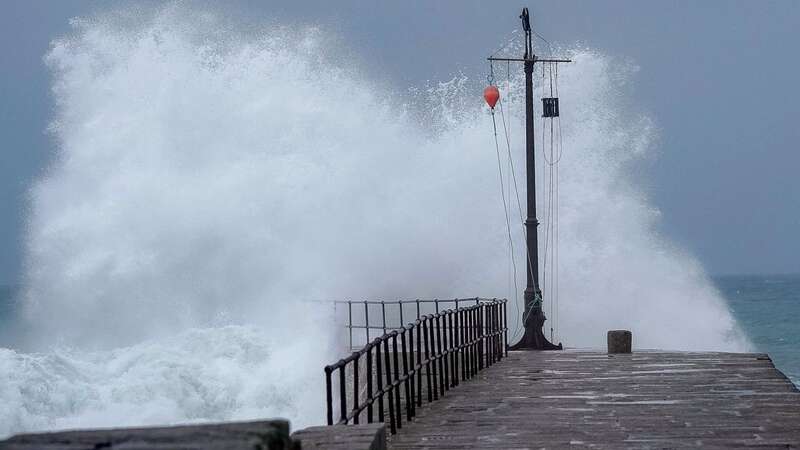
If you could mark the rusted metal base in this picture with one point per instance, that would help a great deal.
(534, 338)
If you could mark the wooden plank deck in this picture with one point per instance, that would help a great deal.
(594, 400)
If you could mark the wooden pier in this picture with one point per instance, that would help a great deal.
(589, 399)
(532, 400)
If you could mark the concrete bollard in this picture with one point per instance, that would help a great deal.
(619, 341)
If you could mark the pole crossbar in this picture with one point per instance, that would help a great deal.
(531, 60)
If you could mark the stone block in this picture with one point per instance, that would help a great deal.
(619, 341)
(343, 437)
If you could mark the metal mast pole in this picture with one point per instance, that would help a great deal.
(534, 338)
(532, 290)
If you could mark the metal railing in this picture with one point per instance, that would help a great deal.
(440, 349)
(366, 319)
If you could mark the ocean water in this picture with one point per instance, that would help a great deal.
(193, 372)
(225, 372)
(768, 309)
(766, 306)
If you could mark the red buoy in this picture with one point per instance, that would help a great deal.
(492, 95)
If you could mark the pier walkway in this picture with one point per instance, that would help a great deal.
(595, 400)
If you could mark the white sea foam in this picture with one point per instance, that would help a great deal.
(200, 374)
(207, 181)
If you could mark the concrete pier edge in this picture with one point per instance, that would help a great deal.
(252, 435)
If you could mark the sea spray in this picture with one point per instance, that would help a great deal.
(220, 373)
(207, 183)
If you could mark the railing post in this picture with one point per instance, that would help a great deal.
(366, 319)
(462, 330)
(400, 305)
(395, 388)
(478, 349)
(473, 347)
(356, 413)
(481, 340)
(485, 338)
(478, 341)
(460, 342)
(467, 344)
(487, 334)
(418, 367)
(342, 394)
(350, 319)
(329, 394)
(369, 385)
(490, 333)
(442, 365)
(496, 325)
(389, 385)
(383, 313)
(427, 358)
(499, 331)
(456, 350)
(505, 327)
(468, 340)
(433, 355)
(496, 332)
(451, 350)
(481, 349)
(409, 384)
(478, 337)
(468, 331)
(379, 378)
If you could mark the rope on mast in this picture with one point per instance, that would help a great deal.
(503, 192)
(534, 337)
(507, 132)
(552, 155)
(558, 200)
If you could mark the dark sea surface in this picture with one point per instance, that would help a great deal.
(8, 311)
(766, 306)
(768, 309)
(7, 304)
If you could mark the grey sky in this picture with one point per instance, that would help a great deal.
(719, 78)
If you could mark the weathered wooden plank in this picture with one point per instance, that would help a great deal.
(639, 400)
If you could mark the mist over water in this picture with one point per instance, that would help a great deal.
(208, 182)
